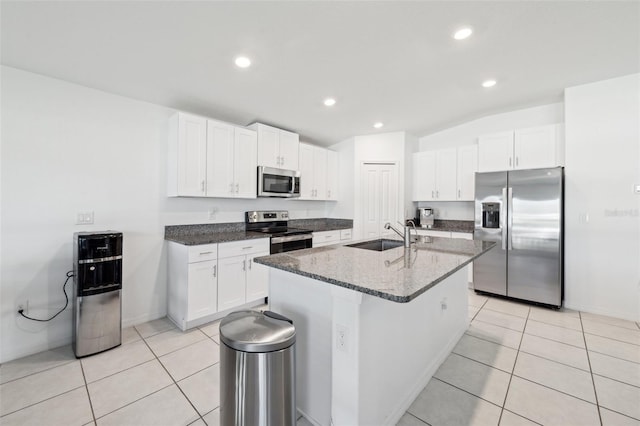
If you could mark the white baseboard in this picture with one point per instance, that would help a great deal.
(629, 316)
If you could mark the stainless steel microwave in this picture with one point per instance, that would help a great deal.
(274, 182)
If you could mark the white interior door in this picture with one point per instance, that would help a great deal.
(379, 185)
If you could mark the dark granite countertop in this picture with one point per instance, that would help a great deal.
(396, 274)
(212, 233)
(451, 226)
(319, 225)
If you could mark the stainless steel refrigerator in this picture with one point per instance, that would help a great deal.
(521, 210)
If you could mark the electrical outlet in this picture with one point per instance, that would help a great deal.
(342, 338)
(84, 218)
(24, 306)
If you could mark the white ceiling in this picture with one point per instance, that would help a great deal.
(393, 61)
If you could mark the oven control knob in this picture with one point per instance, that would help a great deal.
(253, 215)
(285, 215)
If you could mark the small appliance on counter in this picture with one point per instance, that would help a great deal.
(425, 217)
(97, 287)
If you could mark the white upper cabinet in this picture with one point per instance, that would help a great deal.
(435, 175)
(424, 176)
(276, 147)
(208, 158)
(314, 172)
(332, 175)
(495, 152)
(187, 166)
(232, 161)
(538, 147)
(467, 168)
(446, 164)
(530, 148)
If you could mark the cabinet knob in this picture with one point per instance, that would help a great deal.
(202, 186)
(244, 265)
(237, 188)
(215, 271)
(509, 161)
(516, 161)
(250, 264)
(458, 193)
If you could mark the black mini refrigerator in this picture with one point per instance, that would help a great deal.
(97, 288)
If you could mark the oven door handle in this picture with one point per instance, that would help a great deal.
(277, 240)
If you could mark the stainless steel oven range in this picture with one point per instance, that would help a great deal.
(275, 223)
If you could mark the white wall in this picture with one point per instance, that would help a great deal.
(66, 149)
(467, 133)
(602, 213)
(394, 147)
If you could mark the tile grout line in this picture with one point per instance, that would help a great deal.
(465, 391)
(615, 380)
(414, 416)
(37, 372)
(174, 381)
(593, 382)
(607, 337)
(504, 402)
(86, 388)
(40, 402)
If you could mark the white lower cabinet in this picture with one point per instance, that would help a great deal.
(205, 281)
(326, 238)
(241, 280)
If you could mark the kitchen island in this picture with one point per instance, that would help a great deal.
(372, 326)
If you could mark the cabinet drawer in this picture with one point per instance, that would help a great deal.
(203, 252)
(238, 248)
(345, 234)
(325, 238)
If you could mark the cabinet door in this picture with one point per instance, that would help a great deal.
(495, 152)
(332, 175)
(192, 151)
(320, 173)
(220, 142)
(257, 279)
(289, 147)
(245, 164)
(535, 147)
(202, 290)
(424, 176)
(446, 165)
(307, 176)
(467, 168)
(268, 146)
(231, 282)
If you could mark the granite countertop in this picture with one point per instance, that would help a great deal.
(215, 237)
(212, 233)
(451, 226)
(396, 274)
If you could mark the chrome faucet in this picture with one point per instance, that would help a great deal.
(406, 235)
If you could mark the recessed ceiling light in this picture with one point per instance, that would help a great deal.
(243, 61)
(378, 125)
(488, 83)
(329, 102)
(462, 33)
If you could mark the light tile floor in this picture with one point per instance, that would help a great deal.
(516, 365)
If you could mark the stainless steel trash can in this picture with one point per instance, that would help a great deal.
(257, 370)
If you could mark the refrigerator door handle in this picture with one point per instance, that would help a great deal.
(503, 225)
(510, 219)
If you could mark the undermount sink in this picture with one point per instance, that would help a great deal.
(378, 245)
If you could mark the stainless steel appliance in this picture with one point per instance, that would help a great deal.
(97, 287)
(522, 211)
(274, 182)
(257, 369)
(275, 223)
(425, 217)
